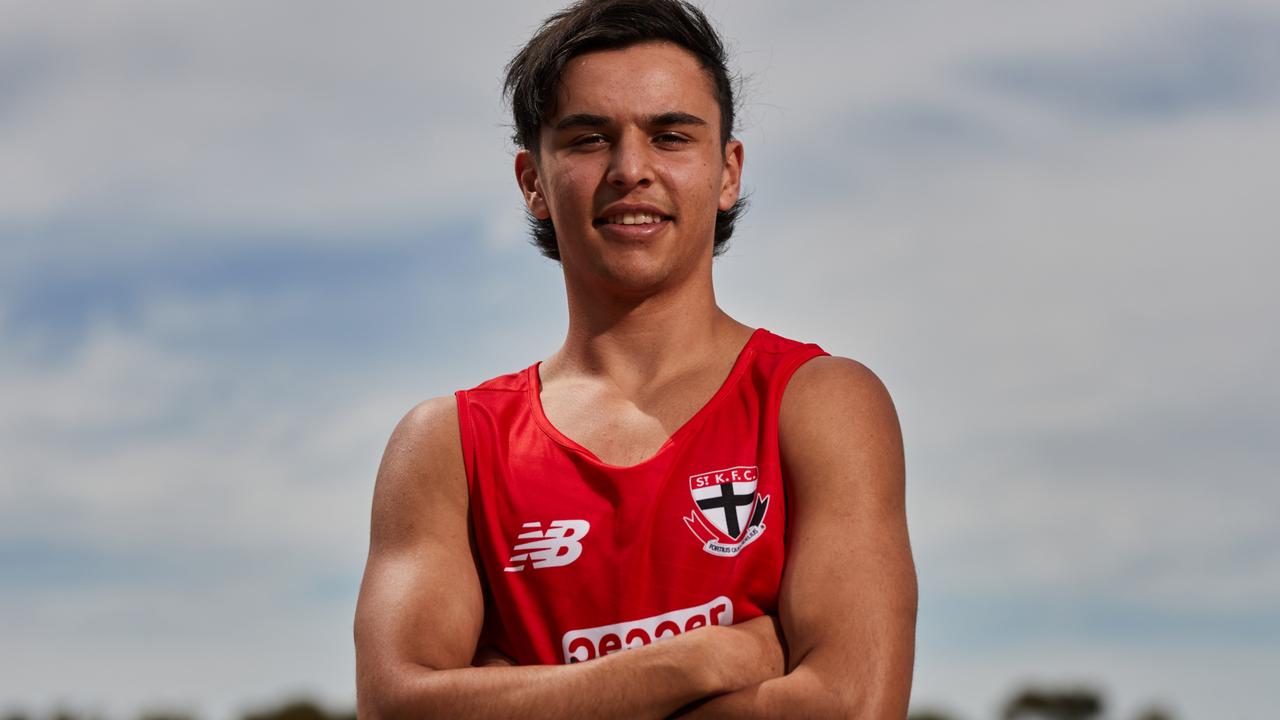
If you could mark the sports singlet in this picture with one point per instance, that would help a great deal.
(581, 558)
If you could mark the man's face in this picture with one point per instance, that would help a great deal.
(631, 169)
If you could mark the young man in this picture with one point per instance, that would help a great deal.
(674, 513)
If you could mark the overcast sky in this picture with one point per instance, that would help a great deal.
(239, 240)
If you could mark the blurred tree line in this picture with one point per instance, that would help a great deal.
(1031, 703)
(1035, 703)
(300, 709)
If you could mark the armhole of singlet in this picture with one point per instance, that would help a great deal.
(467, 434)
(781, 379)
(786, 368)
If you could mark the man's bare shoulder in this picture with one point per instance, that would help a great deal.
(421, 472)
(829, 383)
(430, 425)
(837, 409)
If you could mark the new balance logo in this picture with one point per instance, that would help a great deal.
(560, 544)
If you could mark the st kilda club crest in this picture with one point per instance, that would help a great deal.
(728, 514)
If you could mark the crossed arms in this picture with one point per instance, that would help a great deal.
(842, 646)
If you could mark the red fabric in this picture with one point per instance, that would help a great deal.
(641, 571)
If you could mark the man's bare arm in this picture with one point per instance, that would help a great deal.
(848, 597)
(421, 609)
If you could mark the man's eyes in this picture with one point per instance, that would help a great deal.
(672, 139)
(667, 138)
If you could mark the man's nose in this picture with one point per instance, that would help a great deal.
(630, 164)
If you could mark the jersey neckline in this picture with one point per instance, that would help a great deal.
(534, 384)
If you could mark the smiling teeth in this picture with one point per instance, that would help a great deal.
(634, 219)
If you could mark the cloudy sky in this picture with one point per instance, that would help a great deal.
(239, 240)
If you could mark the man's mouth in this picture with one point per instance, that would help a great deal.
(631, 219)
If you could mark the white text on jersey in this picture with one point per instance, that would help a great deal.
(590, 643)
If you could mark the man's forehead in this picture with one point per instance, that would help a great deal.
(651, 78)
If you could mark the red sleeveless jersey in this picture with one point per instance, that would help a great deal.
(581, 558)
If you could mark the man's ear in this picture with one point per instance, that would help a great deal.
(531, 185)
(731, 177)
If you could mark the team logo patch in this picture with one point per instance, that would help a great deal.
(728, 514)
(560, 544)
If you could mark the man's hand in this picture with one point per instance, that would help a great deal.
(491, 657)
(753, 652)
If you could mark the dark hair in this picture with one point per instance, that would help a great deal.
(587, 25)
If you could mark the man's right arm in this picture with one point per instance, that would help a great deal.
(421, 608)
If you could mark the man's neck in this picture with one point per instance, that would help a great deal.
(640, 342)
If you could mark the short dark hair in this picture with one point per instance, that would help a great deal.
(588, 25)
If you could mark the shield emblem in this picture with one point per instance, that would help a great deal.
(726, 498)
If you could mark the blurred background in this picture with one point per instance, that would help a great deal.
(238, 240)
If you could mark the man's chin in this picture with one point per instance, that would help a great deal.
(638, 273)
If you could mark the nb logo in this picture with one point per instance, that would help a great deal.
(560, 544)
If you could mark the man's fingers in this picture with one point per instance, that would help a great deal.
(491, 657)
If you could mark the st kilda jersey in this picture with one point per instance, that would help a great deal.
(581, 558)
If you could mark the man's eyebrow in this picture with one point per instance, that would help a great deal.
(675, 117)
(666, 119)
(578, 120)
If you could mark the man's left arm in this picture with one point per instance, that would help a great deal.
(847, 606)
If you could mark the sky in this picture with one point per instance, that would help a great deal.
(238, 241)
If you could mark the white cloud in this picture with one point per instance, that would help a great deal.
(238, 115)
